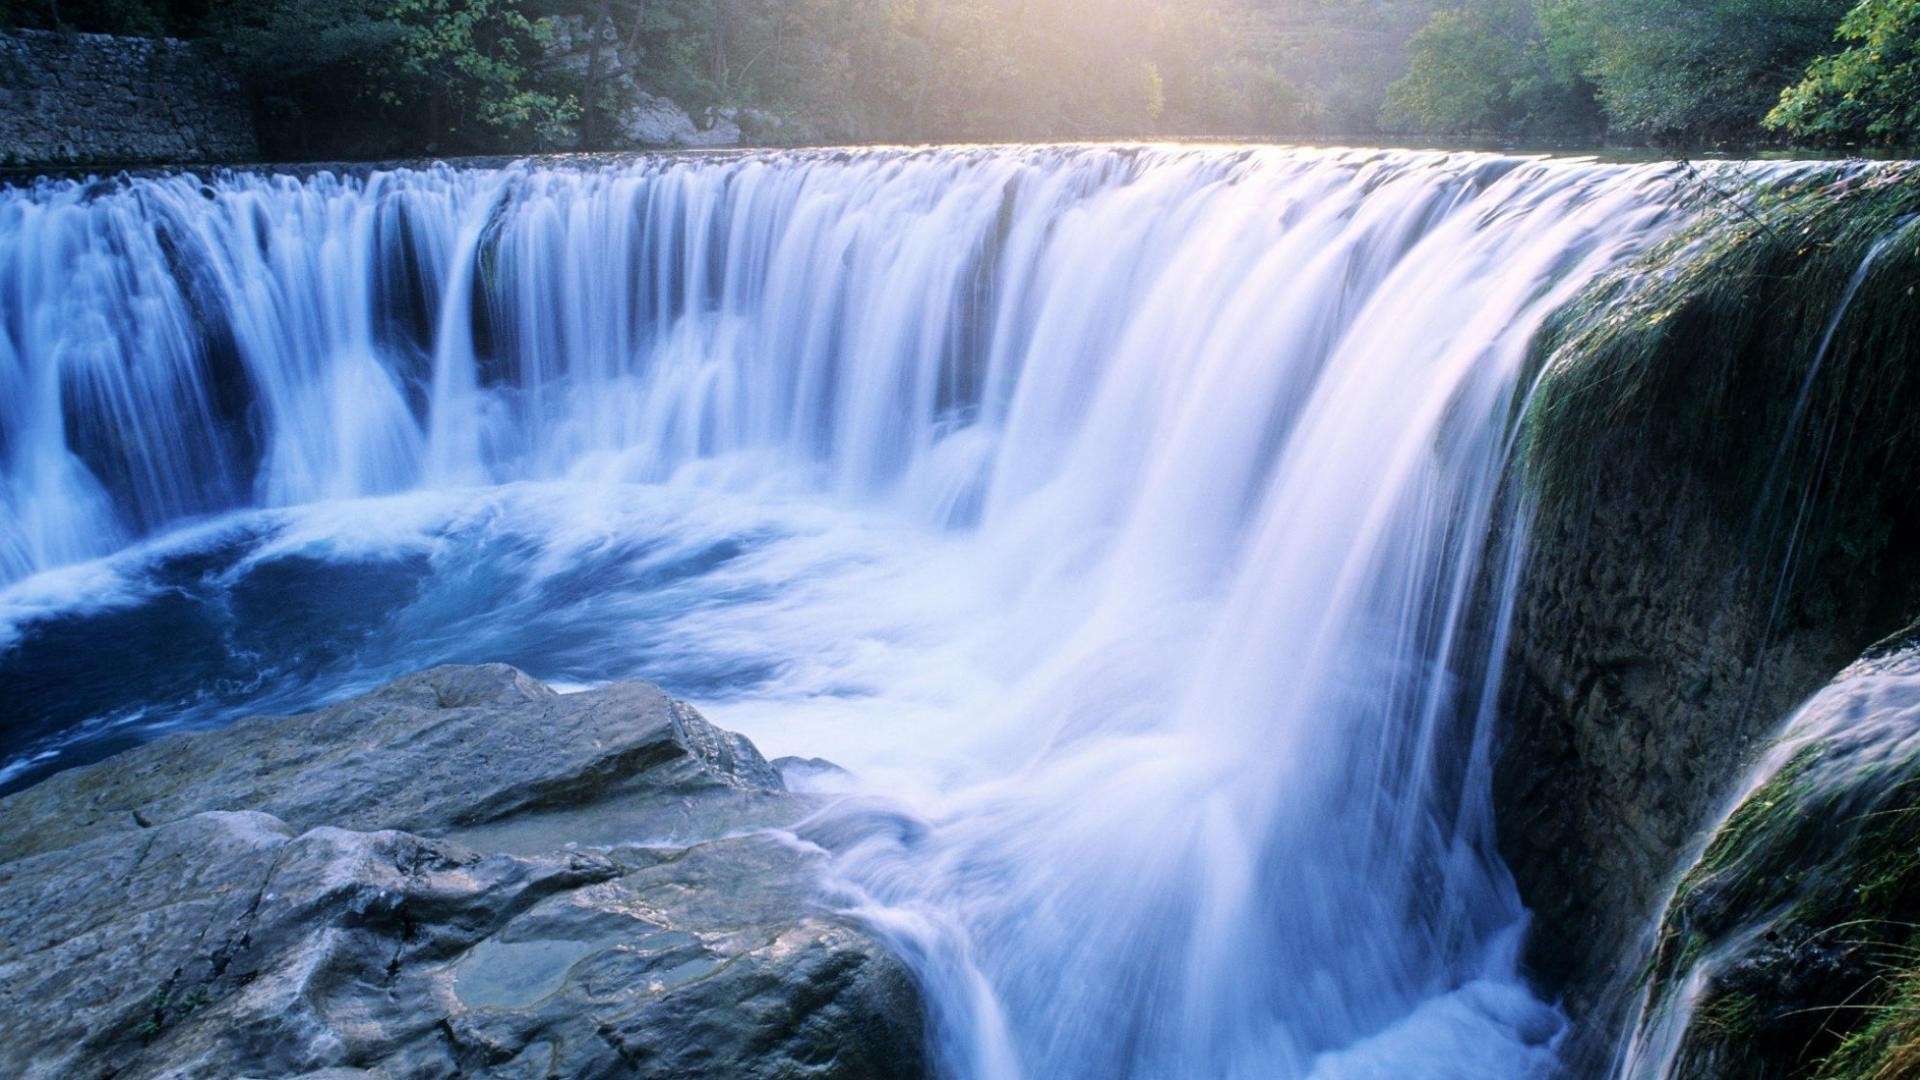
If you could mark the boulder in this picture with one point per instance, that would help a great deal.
(651, 120)
(461, 873)
(642, 119)
(1640, 678)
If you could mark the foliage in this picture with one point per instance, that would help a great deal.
(448, 75)
(1887, 1046)
(466, 60)
(1870, 90)
(1796, 933)
(1332, 61)
(1703, 69)
(1463, 66)
(1495, 66)
(385, 76)
(388, 76)
(1679, 71)
(1802, 908)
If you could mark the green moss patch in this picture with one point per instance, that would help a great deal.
(1771, 348)
(1806, 904)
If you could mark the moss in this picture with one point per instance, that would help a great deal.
(1809, 898)
(1767, 822)
(1770, 348)
(1752, 863)
(1767, 358)
(166, 1008)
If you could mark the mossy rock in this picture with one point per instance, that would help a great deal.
(1770, 347)
(1791, 948)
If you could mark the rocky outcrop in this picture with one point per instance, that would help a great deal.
(1643, 680)
(94, 99)
(641, 118)
(1788, 948)
(1727, 474)
(650, 120)
(461, 873)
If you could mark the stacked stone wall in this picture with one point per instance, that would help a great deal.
(94, 99)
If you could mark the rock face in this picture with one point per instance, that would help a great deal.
(1641, 683)
(461, 873)
(651, 120)
(1722, 448)
(86, 99)
(642, 119)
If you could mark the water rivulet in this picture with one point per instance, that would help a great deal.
(1131, 523)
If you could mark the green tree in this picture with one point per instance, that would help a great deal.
(1663, 70)
(467, 63)
(371, 77)
(1870, 90)
(1496, 66)
(1692, 70)
(1463, 68)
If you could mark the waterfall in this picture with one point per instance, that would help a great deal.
(1127, 520)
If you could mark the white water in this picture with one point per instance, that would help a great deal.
(1117, 515)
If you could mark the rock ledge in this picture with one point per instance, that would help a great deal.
(462, 873)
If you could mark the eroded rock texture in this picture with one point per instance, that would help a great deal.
(463, 873)
(1643, 681)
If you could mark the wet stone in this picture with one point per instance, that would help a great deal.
(320, 895)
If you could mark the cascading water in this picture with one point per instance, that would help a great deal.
(1119, 517)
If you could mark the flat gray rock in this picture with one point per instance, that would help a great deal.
(462, 873)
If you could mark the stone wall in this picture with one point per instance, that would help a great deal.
(94, 99)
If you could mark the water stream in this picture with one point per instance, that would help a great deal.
(1119, 517)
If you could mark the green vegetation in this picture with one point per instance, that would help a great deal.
(166, 1007)
(371, 77)
(1887, 1046)
(1705, 69)
(1507, 66)
(1804, 906)
(384, 76)
(1770, 351)
(1680, 72)
(367, 76)
(1869, 90)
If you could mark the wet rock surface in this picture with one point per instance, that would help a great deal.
(1642, 681)
(463, 873)
(617, 71)
(1722, 448)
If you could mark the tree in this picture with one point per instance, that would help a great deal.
(1496, 66)
(1463, 69)
(1694, 70)
(1868, 91)
(387, 76)
(1664, 70)
(468, 62)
